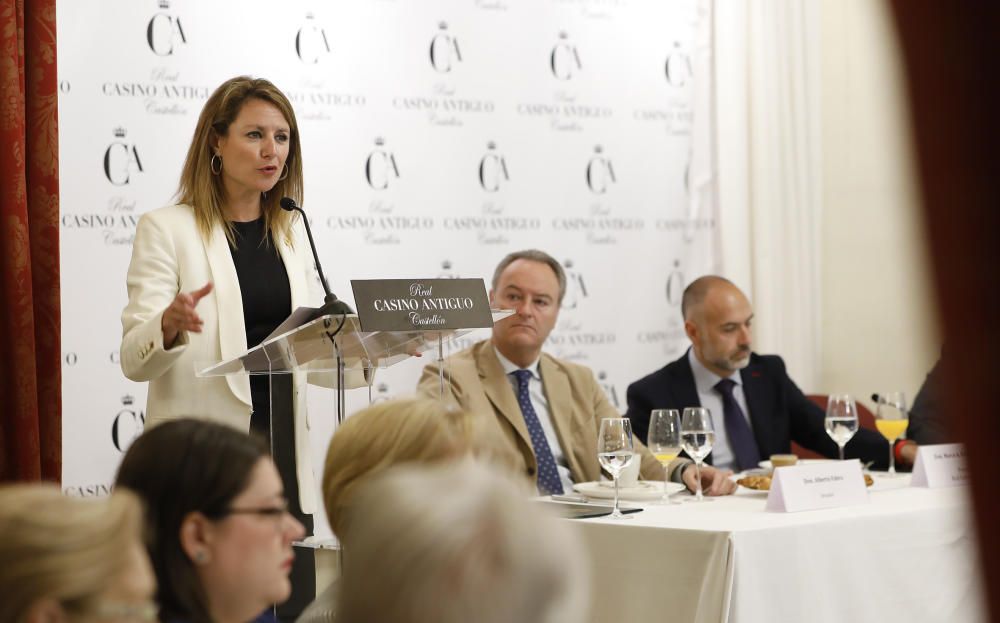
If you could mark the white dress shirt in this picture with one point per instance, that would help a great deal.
(536, 392)
(711, 399)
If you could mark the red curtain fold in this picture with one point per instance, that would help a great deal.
(30, 372)
(948, 51)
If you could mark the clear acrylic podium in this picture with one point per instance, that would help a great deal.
(335, 352)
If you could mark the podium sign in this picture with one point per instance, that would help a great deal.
(421, 304)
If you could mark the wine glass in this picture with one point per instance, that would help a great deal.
(664, 441)
(891, 419)
(615, 451)
(697, 438)
(841, 420)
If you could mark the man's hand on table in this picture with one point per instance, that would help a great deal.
(906, 451)
(713, 481)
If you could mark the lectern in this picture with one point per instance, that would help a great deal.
(334, 352)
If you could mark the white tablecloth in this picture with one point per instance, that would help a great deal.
(907, 556)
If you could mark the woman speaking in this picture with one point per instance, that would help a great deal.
(216, 273)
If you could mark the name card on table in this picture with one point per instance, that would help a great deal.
(942, 465)
(421, 304)
(814, 486)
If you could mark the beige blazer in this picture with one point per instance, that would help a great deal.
(169, 256)
(477, 383)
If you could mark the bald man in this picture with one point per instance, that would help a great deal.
(757, 410)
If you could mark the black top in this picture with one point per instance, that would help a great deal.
(267, 298)
(267, 301)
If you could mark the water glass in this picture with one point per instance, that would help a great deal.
(841, 420)
(697, 439)
(615, 450)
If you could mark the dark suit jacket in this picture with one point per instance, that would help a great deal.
(927, 421)
(779, 411)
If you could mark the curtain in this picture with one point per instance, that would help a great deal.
(953, 98)
(30, 375)
(767, 65)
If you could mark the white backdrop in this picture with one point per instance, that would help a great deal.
(437, 135)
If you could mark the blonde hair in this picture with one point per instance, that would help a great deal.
(203, 190)
(385, 434)
(465, 545)
(65, 549)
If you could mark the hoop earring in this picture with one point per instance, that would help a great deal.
(285, 173)
(211, 164)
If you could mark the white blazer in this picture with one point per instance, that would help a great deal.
(169, 256)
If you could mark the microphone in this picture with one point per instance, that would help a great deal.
(331, 304)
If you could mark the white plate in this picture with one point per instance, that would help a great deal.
(741, 490)
(881, 483)
(643, 490)
(884, 482)
(767, 464)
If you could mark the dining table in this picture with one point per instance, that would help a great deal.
(907, 555)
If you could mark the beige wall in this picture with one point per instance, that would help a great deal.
(879, 323)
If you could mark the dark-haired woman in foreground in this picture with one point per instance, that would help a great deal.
(220, 533)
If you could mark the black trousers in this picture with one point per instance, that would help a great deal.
(273, 419)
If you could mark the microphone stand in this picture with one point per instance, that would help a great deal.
(331, 305)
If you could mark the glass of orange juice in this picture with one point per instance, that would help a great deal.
(891, 419)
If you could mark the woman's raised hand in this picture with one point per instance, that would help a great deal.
(180, 315)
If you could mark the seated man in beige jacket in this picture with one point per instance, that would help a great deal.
(546, 411)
